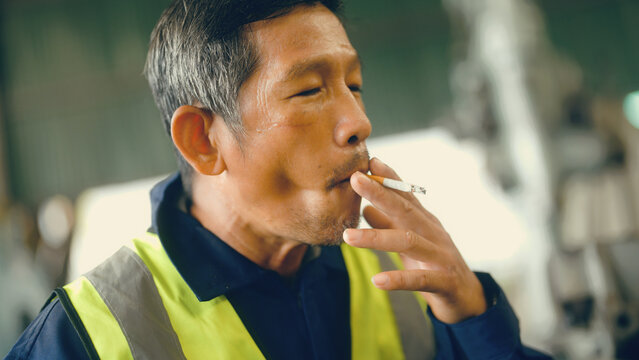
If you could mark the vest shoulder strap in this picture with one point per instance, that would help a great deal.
(206, 329)
(123, 291)
(135, 305)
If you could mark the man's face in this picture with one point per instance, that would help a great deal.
(305, 123)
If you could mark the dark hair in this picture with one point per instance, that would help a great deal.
(199, 52)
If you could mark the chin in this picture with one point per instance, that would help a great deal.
(325, 230)
(325, 225)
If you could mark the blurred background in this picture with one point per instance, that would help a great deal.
(520, 117)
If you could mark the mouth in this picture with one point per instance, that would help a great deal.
(341, 175)
(345, 179)
(342, 183)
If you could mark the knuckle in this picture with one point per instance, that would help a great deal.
(452, 269)
(452, 280)
(373, 236)
(407, 208)
(400, 281)
(379, 192)
(415, 201)
(423, 281)
(411, 240)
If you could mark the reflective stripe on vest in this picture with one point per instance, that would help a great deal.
(418, 339)
(124, 284)
(136, 305)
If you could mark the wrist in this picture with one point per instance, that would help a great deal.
(470, 301)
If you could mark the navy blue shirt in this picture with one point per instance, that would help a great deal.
(303, 317)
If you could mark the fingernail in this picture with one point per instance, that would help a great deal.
(350, 235)
(361, 177)
(380, 279)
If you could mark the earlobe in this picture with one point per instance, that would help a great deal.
(190, 127)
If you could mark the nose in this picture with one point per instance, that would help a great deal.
(353, 126)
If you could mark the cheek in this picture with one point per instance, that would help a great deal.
(309, 159)
(293, 114)
(283, 160)
(261, 174)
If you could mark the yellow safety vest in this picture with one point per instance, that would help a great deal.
(136, 305)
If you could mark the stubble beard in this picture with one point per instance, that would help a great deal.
(323, 230)
(326, 229)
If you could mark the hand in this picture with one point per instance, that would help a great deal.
(432, 263)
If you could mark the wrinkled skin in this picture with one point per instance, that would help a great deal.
(295, 179)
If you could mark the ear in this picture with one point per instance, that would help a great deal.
(190, 131)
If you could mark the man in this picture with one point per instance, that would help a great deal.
(263, 103)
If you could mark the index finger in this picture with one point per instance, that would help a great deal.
(378, 167)
(388, 201)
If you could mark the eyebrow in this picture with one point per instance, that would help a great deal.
(315, 64)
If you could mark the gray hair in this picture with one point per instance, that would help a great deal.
(199, 52)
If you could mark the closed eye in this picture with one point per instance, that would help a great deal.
(309, 92)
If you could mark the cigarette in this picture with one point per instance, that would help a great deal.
(397, 185)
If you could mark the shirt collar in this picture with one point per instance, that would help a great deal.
(208, 265)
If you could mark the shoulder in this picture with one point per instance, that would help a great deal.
(50, 336)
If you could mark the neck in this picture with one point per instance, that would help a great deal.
(220, 216)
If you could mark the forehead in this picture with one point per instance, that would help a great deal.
(305, 34)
